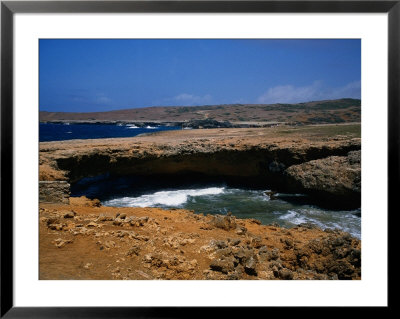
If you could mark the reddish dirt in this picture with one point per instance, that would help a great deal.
(84, 240)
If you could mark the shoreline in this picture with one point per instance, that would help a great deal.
(80, 239)
(84, 240)
(188, 124)
(320, 161)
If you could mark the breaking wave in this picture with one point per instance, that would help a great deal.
(288, 210)
(164, 198)
(346, 221)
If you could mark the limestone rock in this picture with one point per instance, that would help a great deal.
(134, 250)
(59, 242)
(69, 214)
(223, 222)
(336, 179)
(241, 230)
(223, 265)
(104, 218)
(92, 224)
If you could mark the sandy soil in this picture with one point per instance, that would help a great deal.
(84, 240)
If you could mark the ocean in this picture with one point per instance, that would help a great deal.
(201, 196)
(60, 132)
(217, 197)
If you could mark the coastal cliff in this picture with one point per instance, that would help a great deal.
(81, 239)
(280, 157)
(331, 178)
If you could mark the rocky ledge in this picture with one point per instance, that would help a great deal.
(331, 178)
(320, 160)
(84, 240)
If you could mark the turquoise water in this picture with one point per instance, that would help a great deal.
(287, 210)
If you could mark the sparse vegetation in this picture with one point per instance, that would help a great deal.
(333, 111)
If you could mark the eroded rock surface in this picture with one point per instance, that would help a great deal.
(335, 177)
(82, 241)
(286, 158)
(54, 191)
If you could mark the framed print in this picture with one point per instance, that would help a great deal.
(159, 155)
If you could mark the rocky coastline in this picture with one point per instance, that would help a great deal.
(188, 124)
(323, 161)
(315, 160)
(84, 240)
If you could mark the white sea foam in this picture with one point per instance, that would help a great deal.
(245, 204)
(294, 217)
(301, 217)
(150, 127)
(164, 198)
(311, 216)
(131, 126)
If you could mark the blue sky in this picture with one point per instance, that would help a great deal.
(102, 75)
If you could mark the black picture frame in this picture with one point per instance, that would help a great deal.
(9, 8)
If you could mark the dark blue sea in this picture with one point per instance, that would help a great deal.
(60, 132)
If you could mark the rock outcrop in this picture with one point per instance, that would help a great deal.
(89, 241)
(54, 192)
(86, 241)
(335, 178)
(284, 158)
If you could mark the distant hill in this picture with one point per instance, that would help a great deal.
(316, 112)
